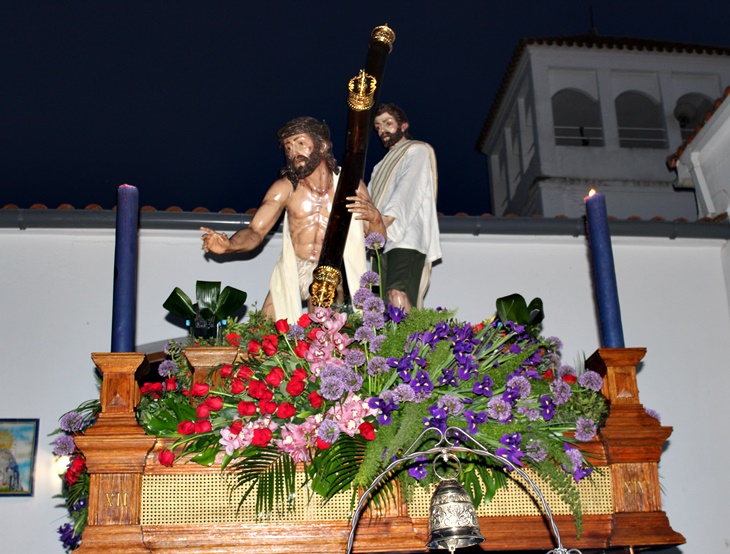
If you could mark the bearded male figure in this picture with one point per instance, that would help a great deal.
(304, 192)
(404, 189)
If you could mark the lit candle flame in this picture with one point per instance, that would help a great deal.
(591, 193)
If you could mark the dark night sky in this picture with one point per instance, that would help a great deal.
(183, 98)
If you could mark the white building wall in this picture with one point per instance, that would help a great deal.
(56, 298)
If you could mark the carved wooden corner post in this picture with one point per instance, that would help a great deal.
(204, 358)
(115, 448)
(633, 441)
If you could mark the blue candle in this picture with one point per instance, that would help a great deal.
(125, 271)
(604, 274)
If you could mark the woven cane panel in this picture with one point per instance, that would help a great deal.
(515, 500)
(206, 498)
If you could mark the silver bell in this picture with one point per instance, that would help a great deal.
(453, 520)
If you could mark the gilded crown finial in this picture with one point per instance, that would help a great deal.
(324, 285)
(362, 91)
(385, 34)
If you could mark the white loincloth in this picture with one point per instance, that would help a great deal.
(285, 283)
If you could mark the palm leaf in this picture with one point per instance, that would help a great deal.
(231, 300)
(207, 294)
(482, 479)
(334, 470)
(512, 308)
(271, 474)
(179, 304)
(537, 314)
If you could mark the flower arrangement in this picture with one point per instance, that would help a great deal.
(344, 395)
(75, 485)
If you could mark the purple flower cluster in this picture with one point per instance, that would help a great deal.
(167, 368)
(64, 445)
(73, 422)
(69, 538)
(585, 429)
(499, 374)
(329, 431)
(576, 463)
(511, 448)
(336, 380)
(420, 469)
(374, 241)
(591, 381)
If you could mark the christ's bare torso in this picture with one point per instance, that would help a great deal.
(309, 211)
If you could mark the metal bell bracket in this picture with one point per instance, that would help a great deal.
(445, 449)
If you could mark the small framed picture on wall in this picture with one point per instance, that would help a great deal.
(18, 443)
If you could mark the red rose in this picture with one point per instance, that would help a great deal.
(286, 410)
(199, 389)
(367, 430)
(171, 384)
(237, 386)
(275, 377)
(186, 427)
(295, 387)
(322, 445)
(478, 327)
(236, 427)
(245, 372)
(304, 321)
(246, 408)
(314, 399)
(254, 347)
(202, 411)
(266, 407)
(569, 378)
(548, 374)
(299, 373)
(301, 348)
(166, 457)
(270, 345)
(215, 403)
(313, 333)
(226, 370)
(261, 437)
(257, 389)
(282, 326)
(234, 339)
(203, 426)
(77, 465)
(152, 389)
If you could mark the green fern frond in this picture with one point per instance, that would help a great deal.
(333, 470)
(272, 474)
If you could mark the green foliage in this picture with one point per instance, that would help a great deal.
(514, 308)
(391, 441)
(271, 475)
(161, 417)
(417, 321)
(211, 301)
(563, 484)
(335, 469)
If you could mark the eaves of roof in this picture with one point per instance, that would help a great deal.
(673, 159)
(230, 221)
(587, 41)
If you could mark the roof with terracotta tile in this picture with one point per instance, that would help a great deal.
(591, 40)
(673, 159)
(176, 215)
